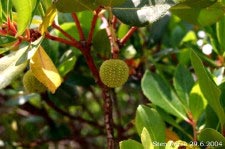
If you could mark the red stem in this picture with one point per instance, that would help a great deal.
(128, 35)
(63, 32)
(65, 41)
(192, 122)
(93, 24)
(79, 28)
(114, 21)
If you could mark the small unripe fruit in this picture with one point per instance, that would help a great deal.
(114, 72)
(31, 83)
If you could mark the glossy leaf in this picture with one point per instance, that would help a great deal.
(212, 138)
(220, 31)
(7, 43)
(24, 9)
(130, 144)
(201, 12)
(30, 51)
(48, 19)
(197, 102)
(1, 13)
(110, 2)
(122, 30)
(183, 83)
(208, 87)
(222, 96)
(44, 70)
(75, 5)
(172, 121)
(159, 93)
(146, 139)
(67, 66)
(157, 30)
(141, 12)
(212, 120)
(104, 50)
(149, 118)
(8, 69)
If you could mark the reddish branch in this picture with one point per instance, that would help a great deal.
(128, 35)
(192, 122)
(93, 24)
(79, 29)
(112, 37)
(65, 41)
(63, 32)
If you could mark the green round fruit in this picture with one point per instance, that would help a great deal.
(114, 72)
(31, 83)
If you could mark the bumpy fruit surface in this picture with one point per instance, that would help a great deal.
(31, 84)
(114, 72)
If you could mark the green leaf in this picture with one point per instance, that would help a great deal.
(146, 139)
(220, 31)
(30, 51)
(151, 120)
(197, 102)
(8, 69)
(24, 10)
(6, 6)
(160, 93)
(141, 12)
(212, 120)
(212, 138)
(222, 96)
(157, 30)
(6, 40)
(1, 13)
(104, 50)
(183, 83)
(200, 12)
(130, 144)
(110, 2)
(67, 66)
(170, 120)
(122, 30)
(208, 87)
(69, 6)
(7, 43)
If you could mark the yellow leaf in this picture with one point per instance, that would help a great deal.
(44, 70)
(48, 19)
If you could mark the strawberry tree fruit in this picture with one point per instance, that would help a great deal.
(114, 73)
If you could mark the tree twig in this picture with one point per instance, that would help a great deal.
(62, 40)
(79, 28)
(93, 24)
(127, 36)
(63, 32)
